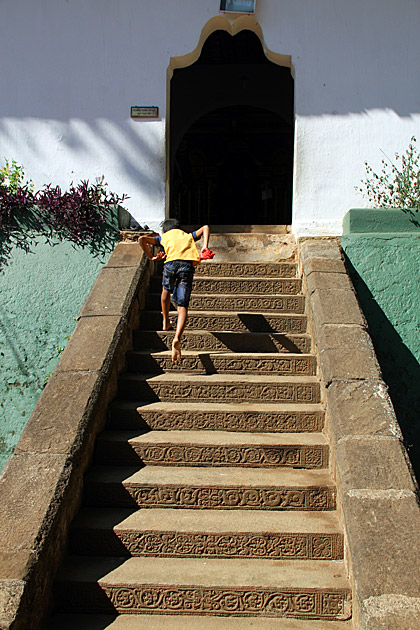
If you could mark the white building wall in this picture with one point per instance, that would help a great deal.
(71, 69)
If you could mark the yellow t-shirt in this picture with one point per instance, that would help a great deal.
(179, 245)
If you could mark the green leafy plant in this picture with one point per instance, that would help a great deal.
(398, 183)
(12, 177)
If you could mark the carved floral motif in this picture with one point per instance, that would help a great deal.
(229, 545)
(212, 363)
(289, 286)
(298, 603)
(250, 421)
(248, 270)
(211, 455)
(279, 498)
(236, 392)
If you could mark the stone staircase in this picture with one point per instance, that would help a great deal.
(210, 503)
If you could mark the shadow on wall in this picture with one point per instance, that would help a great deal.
(44, 282)
(400, 368)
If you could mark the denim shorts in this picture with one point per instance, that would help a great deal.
(177, 278)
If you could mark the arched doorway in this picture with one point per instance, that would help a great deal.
(231, 135)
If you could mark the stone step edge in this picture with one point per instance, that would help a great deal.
(222, 362)
(217, 417)
(128, 596)
(213, 341)
(209, 496)
(111, 448)
(90, 535)
(172, 544)
(232, 387)
(234, 313)
(186, 622)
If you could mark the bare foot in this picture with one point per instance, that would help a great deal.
(176, 351)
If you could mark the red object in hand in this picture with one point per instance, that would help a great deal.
(206, 254)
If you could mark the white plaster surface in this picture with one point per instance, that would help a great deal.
(71, 70)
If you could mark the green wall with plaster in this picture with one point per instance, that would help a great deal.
(382, 249)
(41, 294)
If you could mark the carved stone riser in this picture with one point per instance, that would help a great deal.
(169, 544)
(260, 303)
(247, 270)
(224, 341)
(232, 455)
(243, 322)
(151, 496)
(216, 364)
(237, 601)
(220, 392)
(252, 422)
(259, 286)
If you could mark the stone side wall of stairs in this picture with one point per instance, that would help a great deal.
(377, 497)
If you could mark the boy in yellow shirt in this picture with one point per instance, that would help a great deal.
(181, 257)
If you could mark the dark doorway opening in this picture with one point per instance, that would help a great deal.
(231, 136)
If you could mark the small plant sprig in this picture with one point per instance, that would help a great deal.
(15, 195)
(398, 184)
(12, 177)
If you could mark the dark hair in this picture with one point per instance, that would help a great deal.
(169, 224)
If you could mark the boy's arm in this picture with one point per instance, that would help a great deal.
(204, 232)
(144, 242)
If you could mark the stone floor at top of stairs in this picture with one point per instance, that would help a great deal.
(188, 622)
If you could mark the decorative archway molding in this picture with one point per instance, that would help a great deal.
(233, 27)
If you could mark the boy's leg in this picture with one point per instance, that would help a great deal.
(180, 325)
(181, 297)
(165, 300)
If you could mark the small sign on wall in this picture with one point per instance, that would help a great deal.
(144, 111)
(237, 6)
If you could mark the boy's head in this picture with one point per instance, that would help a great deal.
(169, 224)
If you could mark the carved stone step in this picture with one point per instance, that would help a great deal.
(247, 270)
(234, 322)
(208, 533)
(210, 488)
(218, 387)
(222, 363)
(234, 302)
(213, 448)
(187, 622)
(257, 286)
(259, 418)
(299, 589)
(224, 341)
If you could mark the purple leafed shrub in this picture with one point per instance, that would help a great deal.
(77, 213)
(12, 203)
(81, 214)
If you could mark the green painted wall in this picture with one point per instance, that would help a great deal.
(41, 293)
(385, 268)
